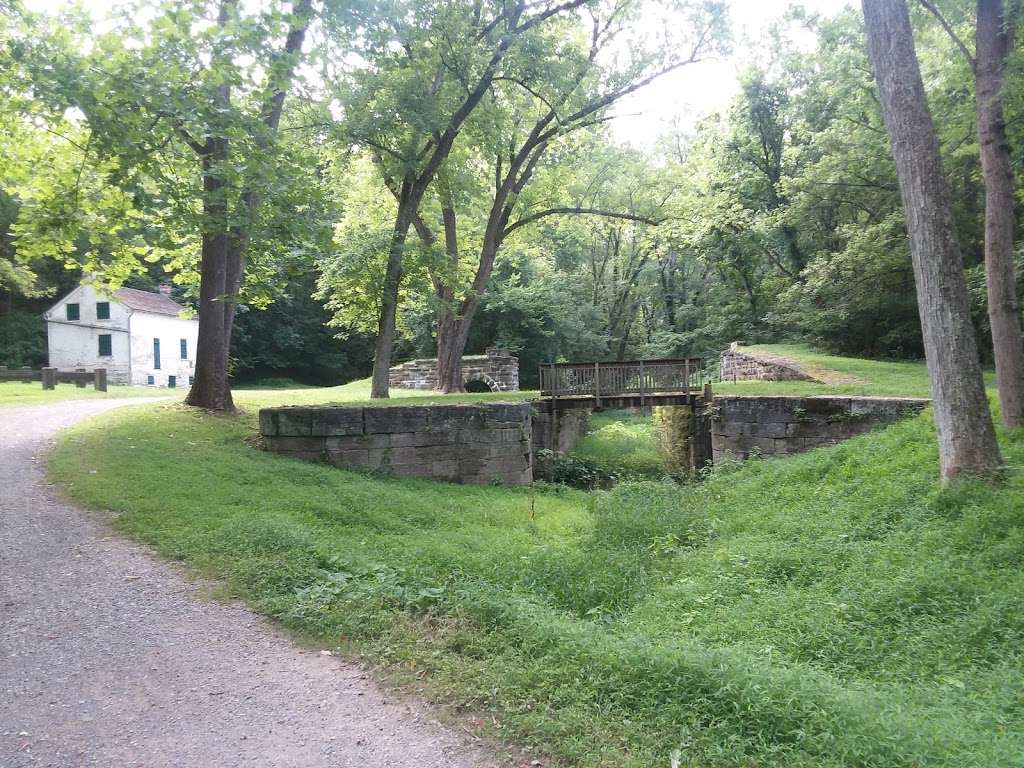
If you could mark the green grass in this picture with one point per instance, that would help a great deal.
(865, 377)
(358, 393)
(622, 445)
(830, 609)
(16, 393)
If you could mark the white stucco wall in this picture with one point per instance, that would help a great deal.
(145, 327)
(75, 344)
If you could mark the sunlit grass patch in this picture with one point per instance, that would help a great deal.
(16, 393)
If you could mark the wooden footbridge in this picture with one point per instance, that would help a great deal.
(624, 383)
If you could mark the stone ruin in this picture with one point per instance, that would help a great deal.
(748, 366)
(781, 425)
(497, 370)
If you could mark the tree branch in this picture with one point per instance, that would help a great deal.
(929, 6)
(522, 222)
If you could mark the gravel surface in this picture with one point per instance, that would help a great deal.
(109, 657)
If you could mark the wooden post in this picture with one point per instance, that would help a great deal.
(641, 383)
(99, 379)
(80, 380)
(686, 380)
(597, 385)
(49, 378)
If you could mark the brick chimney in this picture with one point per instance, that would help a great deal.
(165, 289)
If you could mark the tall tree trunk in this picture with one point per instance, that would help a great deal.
(222, 265)
(379, 387)
(210, 388)
(452, 324)
(967, 443)
(993, 43)
(452, 335)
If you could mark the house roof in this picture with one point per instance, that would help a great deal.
(145, 301)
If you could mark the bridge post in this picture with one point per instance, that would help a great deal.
(99, 381)
(641, 383)
(49, 378)
(597, 385)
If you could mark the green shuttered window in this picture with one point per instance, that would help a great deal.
(72, 310)
(156, 353)
(106, 349)
(102, 310)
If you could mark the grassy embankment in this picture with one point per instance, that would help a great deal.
(844, 375)
(829, 609)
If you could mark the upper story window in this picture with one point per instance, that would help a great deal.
(184, 349)
(72, 311)
(102, 310)
(156, 353)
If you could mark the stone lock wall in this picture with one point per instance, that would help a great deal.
(560, 436)
(478, 443)
(498, 369)
(785, 425)
(743, 366)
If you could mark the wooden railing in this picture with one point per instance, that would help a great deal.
(640, 378)
(50, 377)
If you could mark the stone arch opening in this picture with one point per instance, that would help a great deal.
(481, 383)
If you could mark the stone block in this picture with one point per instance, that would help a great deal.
(507, 412)
(408, 455)
(294, 421)
(457, 416)
(734, 409)
(303, 444)
(775, 410)
(353, 459)
(329, 422)
(430, 453)
(403, 439)
(511, 435)
(746, 445)
(445, 470)
(395, 418)
(350, 443)
(808, 428)
(379, 458)
(825, 406)
(437, 435)
(772, 429)
(268, 422)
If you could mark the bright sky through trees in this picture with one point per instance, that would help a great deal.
(681, 98)
(678, 99)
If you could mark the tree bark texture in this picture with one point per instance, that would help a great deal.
(993, 43)
(379, 386)
(210, 387)
(966, 436)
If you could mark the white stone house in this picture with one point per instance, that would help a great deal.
(140, 337)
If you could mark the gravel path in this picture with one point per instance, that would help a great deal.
(110, 658)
